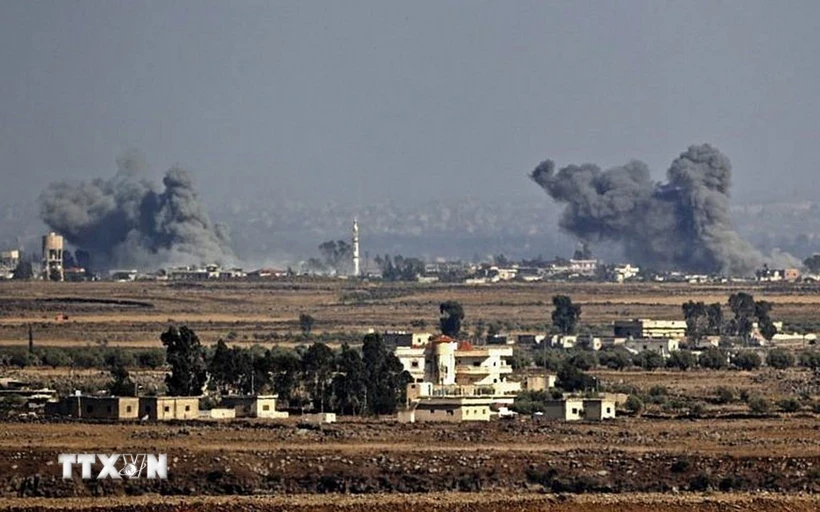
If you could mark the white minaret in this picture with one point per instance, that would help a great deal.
(355, 247)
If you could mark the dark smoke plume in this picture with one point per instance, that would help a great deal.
(124, 222)
(683, 224)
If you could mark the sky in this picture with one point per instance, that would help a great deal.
(405, 101)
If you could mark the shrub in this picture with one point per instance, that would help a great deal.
(634, 404)
(810, 359)
(713, 358)
(759, 405)
(747, 360)
(152, 358)
(681, 359)
(649, 360)
(681, 465)
(780, 358)
(789, 405)
(725, 395)
(701, 482)
(697, 409)
(55, 357)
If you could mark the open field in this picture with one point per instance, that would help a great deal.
(133, 314)
(720, 459)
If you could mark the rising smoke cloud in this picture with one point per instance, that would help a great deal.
(124, 222)
(683, 224)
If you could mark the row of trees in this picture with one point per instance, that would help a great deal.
(346, 381)
(707, 320)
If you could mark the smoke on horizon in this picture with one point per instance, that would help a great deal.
(124, 222)
(683, 224)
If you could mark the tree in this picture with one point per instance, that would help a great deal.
(121, 383)
(185, 355)
(306, 323)
(572, 379)
(743, 306)
(714, 314)
(451, 317)
(23, 270)
(566, 314)
(284, 366)
(221, 368)
(350, 384)
(747, 360)
(337, 255)
(697, 320)
(616, 358)
(713, 358)
(681, 359)
(763, 309)
(318, 364)
(649, 360)
(385, 378)
(813, 263)
(780, 358)
(810, 359)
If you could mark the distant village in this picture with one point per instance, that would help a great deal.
(342, 260)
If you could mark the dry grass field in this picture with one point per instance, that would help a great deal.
(133, 314)
(724, 459)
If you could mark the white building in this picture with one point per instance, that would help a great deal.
(647, 328)
(663, 346)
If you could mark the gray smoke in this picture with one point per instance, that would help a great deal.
(124, 222)
(683, 224)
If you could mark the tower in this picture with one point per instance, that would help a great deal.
(355, 247)
(53, 257)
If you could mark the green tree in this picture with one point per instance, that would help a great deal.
(714, 314)
(780, 358)
(452, 314)
(350, 384)
(571, 379)
(616, 358)
(681, 359)
(713, 358)
(384, 376)
(649, 360)
(810, 359)
(318, 365)
(221, 367)
(697, 319)
(306, 323)
(565, 316)
(121, 383)
(743, 306)
(185, 355)
(763, 311)
(747, 360)
(285, 366)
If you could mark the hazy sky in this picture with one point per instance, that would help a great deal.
(405, 100)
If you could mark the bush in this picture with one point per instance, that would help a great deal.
(152, 358)
(697, 409)
(615, 359)
(583, 360)
(747, 360)
(681, 359)
(810, 359)
(725, 395)
(649, 360)
(681, 465)
(701, 482)
(789, 405)
(759, 405)
(634, 404)
(713, 358)
(780, 358)
(55, 357)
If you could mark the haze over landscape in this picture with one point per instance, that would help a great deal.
(422, 119)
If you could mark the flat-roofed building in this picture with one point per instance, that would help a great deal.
(647, 328)
(254, 406)
(163, 408)
(95, 407)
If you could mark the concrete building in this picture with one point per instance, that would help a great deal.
(538, 382)
(52, 264)
(163, 408)
(254, 406)
(647, 328)
(567, 409)
(599, 409)
(95, 407)
(449, 410)
(583, 267)
(8, 262)
(217, 413)
(663, 346)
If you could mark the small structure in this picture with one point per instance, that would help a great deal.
(164, 408)
(538, 382)
(599, 409)
(664, 346)
(647, 328)
(567, 409)
(447, 409)
(254, 406)
(319, 418)
(95, 407)
(218, 413)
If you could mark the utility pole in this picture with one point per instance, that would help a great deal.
(30, 340)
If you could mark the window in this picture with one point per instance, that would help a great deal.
(449, 412)
(127, 408)
(108, 409)
(466, 412)
(266, 407)
(609, 410)
(574, 410)
(187, 408)
(89, 408)
(167, 408)
(414, 364)
(476, 363)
